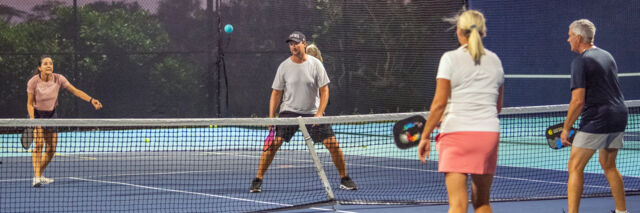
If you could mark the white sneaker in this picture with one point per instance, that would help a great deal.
(39, 181)
(36, 182)
(45, 180)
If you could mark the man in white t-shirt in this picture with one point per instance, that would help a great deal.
(302, 84)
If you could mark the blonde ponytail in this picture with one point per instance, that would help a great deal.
(313, 50)
(473, 25)
(475, 47)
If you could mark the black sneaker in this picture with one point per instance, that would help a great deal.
(256, 185)
(347, 184)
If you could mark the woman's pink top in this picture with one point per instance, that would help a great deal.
(46, 92)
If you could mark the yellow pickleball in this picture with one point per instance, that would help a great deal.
(146, 140)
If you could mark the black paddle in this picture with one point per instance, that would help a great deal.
(27, 138)
(407, 132)
(553, 136)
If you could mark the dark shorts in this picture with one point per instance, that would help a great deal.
(46, 115)
(318, 132)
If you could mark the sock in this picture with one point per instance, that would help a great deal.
(618, 211)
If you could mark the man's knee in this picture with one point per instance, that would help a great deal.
(608, 159)
(609, 170)
(607, 165)
(273, 147)
(579, 159)
(575, 170)
(331, 142)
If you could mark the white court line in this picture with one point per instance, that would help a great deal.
(321, 209)
(125, 174)
(327, 162)
(56, 154)
(162, 173)
(495, 176)
(197, 193)
(434, 171)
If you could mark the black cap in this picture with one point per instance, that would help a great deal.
(297, 37)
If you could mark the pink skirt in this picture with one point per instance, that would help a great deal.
(468, 152)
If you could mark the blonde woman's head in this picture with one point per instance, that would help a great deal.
(313, 50)
(471, 26)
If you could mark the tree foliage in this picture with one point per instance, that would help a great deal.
(381, 55)
(382, 50)
(8, 13)
(116, 57)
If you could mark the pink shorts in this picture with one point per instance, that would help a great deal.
(468, 152)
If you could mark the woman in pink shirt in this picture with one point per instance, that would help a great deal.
(42, 99)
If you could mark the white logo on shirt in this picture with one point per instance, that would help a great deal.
(45, 87)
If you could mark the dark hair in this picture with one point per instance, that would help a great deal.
(42, 57)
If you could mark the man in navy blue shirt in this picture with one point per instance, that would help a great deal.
(597, 97)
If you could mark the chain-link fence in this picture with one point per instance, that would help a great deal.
(171, 58)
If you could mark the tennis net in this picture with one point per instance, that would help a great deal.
(196, 165)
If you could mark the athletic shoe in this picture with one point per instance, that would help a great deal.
(256, 185)
(45, 180)
(36, 182)
(347, 184)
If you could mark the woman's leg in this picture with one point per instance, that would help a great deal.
(457, 191)
(36, 152)
(51, 141)
(480, 191)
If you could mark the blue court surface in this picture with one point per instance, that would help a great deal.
(210, 169)
(588, 205)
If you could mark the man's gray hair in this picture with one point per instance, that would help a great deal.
(585, 29)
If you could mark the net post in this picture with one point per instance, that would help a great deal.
(316, 160)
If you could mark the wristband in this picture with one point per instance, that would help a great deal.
(90, 100)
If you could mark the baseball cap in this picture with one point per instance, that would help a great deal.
(296, 36)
